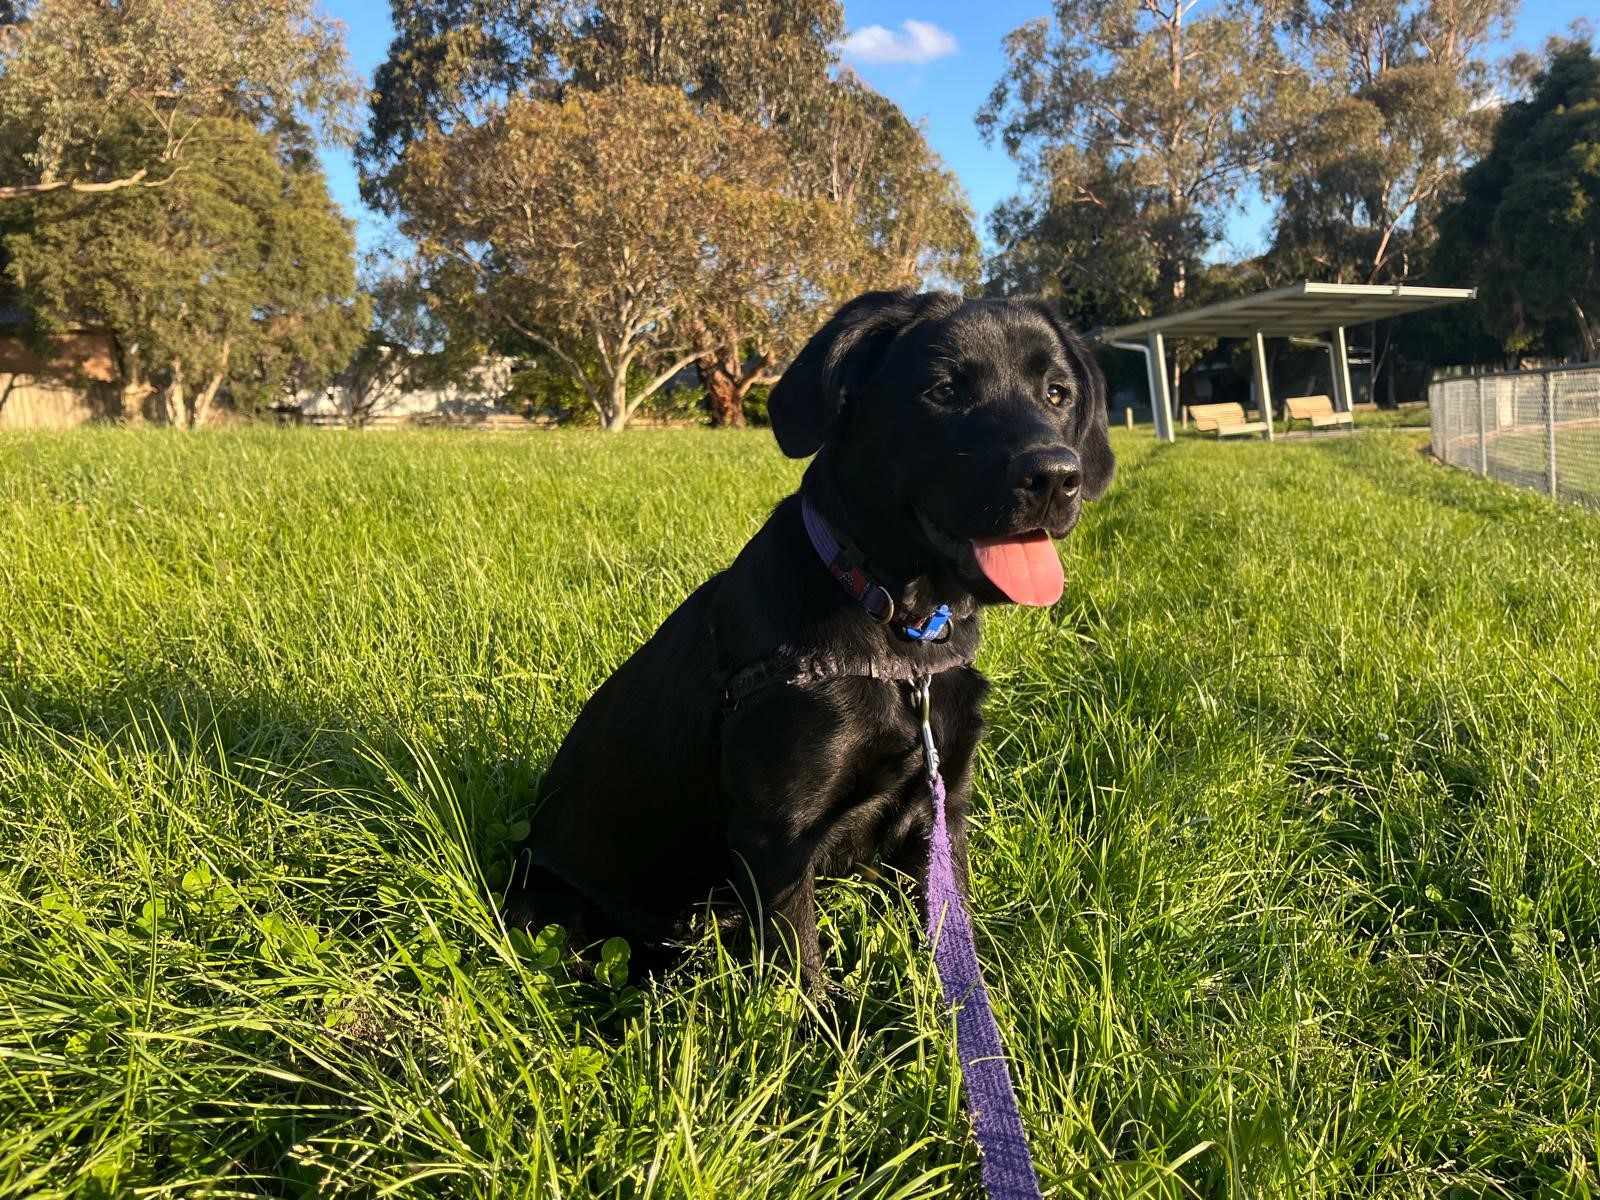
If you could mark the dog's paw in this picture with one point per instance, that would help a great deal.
(826, 1005)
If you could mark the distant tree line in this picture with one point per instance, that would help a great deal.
(628, 190)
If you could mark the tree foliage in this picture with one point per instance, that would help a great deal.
(239, 273)
(767, 64)
(1526, 226)
(1136, 122)
(858, 151)
(756, 59)
(453, 61)
(450, 60)
(1390, 102)
(903, 217)
(75, 74)
(615, 229)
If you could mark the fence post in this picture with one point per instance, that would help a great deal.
(1456, 424)
(1433, 423)
(1446, 402)
(1483, 437)
(1550, 428)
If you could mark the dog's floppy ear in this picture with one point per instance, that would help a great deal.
(1091, 435)
(839, 360)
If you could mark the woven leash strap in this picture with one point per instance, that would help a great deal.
(1008, 1172)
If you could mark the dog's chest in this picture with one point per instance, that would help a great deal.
(880, 792)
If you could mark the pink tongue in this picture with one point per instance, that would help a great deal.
(1026, 567)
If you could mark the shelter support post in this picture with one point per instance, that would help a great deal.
(1160, 395)
(1258, 354)
(1343, 400)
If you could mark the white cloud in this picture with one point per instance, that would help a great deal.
(916, 42)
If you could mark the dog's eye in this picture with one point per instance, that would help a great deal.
(1058, 394)
(944, 393)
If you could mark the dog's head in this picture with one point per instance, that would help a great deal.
(964, 435)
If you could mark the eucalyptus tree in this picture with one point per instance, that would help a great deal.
(609, 229)
(1394, 98)
(75, 73)
(1137, 124)
(768, 64)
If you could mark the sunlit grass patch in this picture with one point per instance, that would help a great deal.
(1285, 853)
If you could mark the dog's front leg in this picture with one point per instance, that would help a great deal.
(778, 778)
(776, 879)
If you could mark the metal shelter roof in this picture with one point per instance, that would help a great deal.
(1299, 309)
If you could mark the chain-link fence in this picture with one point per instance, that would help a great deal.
(1534, 429)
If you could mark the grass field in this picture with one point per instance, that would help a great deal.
(1286, 852)
(1393, 418)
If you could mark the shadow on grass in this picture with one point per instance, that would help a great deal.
(309, 761)
(301, 911)
(456, 801)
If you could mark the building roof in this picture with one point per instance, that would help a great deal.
(1299, 309)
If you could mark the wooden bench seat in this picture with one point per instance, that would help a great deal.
(1319, 411)
(1227, 420)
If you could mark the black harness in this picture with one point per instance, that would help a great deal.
(795, 670)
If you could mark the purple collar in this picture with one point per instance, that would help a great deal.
(848, 565)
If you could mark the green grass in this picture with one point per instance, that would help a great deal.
(1285, 856)
(1415, 417)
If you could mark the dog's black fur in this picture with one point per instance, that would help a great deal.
(933, 422)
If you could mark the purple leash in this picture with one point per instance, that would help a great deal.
(1007, 1166)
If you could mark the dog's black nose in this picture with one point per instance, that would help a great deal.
(1044, 476)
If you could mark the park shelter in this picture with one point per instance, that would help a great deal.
(1304, 309)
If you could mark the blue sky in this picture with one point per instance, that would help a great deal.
(939, 69)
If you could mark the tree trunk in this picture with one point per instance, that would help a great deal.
(1179, 287)
(615, 416)
(177, 414)
(1589, 331)
(134, 390)
(202, 402)
(1382, 364)
(133, 398)
(719, 374)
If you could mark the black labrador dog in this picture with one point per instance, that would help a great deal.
(763, 736)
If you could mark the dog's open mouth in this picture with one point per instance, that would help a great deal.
(1023, 566)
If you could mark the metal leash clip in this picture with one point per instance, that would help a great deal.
(922, 692)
